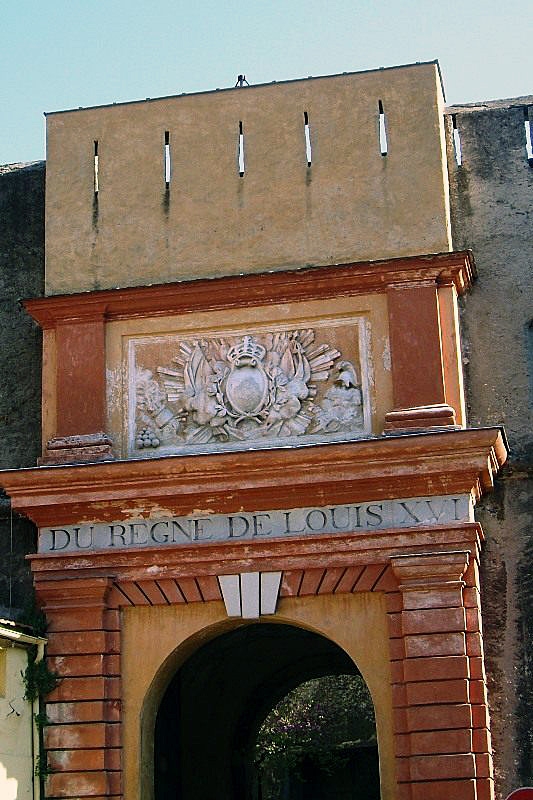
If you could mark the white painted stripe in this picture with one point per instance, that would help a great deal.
(168, 168)
(241, 154)
(383, 145)
(231, 594)
(270, 583)
(457, 147)
(529, 145)
(308, 151)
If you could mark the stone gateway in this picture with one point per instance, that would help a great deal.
(257, 470)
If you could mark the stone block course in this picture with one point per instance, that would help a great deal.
(433, 620)
(474, 644)
(484, 767)
(441, 742)
(394, 602)
(480, 716)
(444, 691)
(83, 711)
(77, 784)
(471, 598)
(76, 760)
(436, 644)
(397, 649)
(433, 598)
(78, 736)
(443, 767)
(478, 692)
(439, 717)
(70, 665)
(485, 788)
(86, 642)
(432, 668)
(481, 740)
(445, 790)
(86, 688)
(77, 619)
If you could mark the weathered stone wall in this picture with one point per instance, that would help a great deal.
(492, 213)
(21, 275)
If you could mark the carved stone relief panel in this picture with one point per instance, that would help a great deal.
(248, 389)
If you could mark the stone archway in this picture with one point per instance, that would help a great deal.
(209, 715)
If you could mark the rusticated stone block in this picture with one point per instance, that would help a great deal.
(445, 790)
(435, 644)
(443, 767)
(433, 598)
(433, 668)
(74, 737)
(454, 741)
(433, 620)
(481, 740)
(76, 760)
(92, 711)
(71, 666)
(86, 688)
(439, 717)
(427, 692)
(77, 619)
(76, 784)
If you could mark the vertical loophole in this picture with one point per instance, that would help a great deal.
(241, 150)
(167, 160)
(527, 127)
(95, 168)
(307, 132)
(383, 145)
(457, 142)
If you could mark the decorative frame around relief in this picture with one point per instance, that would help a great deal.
(258, 388)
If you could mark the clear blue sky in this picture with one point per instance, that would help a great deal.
(58, 54)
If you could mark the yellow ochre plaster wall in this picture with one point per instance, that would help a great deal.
(352, 204)
(16, 730)
(356, 622)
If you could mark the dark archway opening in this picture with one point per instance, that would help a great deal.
(210, 717)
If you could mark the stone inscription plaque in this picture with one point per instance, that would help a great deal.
(356, 518)
(256, 388)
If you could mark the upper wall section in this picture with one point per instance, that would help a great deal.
(352, 203)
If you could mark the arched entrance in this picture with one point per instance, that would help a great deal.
(210, 715)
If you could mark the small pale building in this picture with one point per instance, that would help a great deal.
(19, 740)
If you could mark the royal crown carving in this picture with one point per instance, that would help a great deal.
(258, 389)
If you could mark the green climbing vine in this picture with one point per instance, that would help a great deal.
(38, 679)
(38, 682)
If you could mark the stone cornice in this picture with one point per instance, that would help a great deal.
(456, 461)
(313, 283)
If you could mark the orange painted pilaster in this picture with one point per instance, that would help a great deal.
(442, 737)
(81, 405)
(415, 345)
(451, 351)
(83, 741)
(416, 358)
